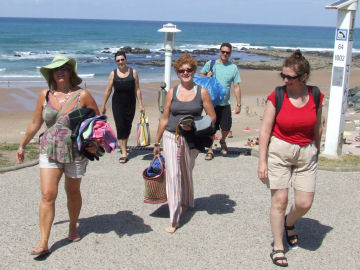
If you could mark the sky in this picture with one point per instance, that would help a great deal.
(283, 12)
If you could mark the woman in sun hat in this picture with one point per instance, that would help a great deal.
(58, 155)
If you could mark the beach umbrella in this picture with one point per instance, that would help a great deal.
(213, 86)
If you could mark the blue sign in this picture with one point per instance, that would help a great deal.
(341, 34)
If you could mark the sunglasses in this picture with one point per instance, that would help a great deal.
(225, 52)
(284, 76)
(120, 60)
(188, 70)
(63, 68)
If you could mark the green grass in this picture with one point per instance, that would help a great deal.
(8, 150)
(3, 161)
(342, 161)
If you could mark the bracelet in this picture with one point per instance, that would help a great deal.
(157, 144)
(239, 105)
(21, 150)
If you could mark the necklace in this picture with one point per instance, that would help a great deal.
(67, 95)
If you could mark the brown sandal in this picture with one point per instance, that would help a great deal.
(224, 149)
(209, 156)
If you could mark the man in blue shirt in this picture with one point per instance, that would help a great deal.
(227, 74)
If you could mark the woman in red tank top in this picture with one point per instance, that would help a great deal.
(288, 151)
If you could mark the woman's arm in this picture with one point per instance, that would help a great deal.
(138, 91)
(163, 121)
(87, 100)
(265, 132)
(318, 129)
(33, 127)
(208, 107)
(107, 93)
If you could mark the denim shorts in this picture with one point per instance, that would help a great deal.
(75, 169)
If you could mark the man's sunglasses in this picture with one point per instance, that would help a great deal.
(284, 76)
(120, 60)
(225, 52)
(188, 70)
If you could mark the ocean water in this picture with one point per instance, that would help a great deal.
(26, 44)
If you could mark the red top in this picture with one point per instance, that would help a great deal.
(295, 125)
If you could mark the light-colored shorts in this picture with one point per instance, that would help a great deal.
(292, 164)
(75, 169)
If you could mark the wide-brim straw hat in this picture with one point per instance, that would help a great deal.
(58, 61)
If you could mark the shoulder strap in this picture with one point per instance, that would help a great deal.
(67, 104)
(175, 91)
(47, 95)
(212, 63)
(279, 98)
(316, 95)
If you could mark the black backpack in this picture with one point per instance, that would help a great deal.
(279, 97)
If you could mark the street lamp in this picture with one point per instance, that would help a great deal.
(170, 30)
(344, 37)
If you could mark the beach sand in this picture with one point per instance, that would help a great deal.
(18, 101)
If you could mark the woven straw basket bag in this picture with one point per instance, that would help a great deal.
(155, 187)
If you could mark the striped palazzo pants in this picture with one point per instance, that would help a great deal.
(179, 164)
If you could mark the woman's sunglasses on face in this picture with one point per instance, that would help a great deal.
(188, 70)
(284, 76)
(120, 60)
(63, 68)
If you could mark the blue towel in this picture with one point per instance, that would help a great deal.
(213, 86)
(154, 169)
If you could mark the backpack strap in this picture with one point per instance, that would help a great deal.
(316, 95)
(212, 63)
(279, 98)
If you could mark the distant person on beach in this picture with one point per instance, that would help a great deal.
(53, 107)
(290, 159)
(125, 81)
(227, 74)
(182, 100)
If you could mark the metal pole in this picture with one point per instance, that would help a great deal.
(339, 82)
(167, 74)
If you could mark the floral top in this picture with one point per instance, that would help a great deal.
(56, 140)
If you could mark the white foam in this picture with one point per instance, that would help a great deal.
(19, 76)
(90, 75)
(2, 69)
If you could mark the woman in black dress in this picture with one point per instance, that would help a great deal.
(125, 81)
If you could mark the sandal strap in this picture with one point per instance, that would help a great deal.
(293, 237)
(277, 251)
(288, 228)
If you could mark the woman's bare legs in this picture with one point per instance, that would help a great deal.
(279, 200)
(302, 204)
(74, 203)
(49, 189)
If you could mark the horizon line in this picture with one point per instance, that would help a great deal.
(163, 21)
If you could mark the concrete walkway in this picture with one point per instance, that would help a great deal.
(228, 229)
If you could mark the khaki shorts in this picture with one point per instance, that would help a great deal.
(75, 169)
(292, 164)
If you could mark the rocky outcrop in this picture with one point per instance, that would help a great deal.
(354, 98)
(318, 60)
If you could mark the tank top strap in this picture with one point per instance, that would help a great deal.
(197, 89)
(115, 74)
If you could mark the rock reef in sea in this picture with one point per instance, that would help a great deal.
(317, 60)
